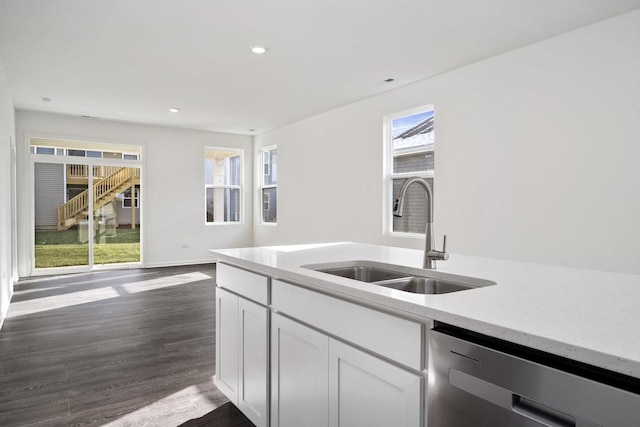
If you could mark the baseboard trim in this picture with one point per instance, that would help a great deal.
(113, 267)
(4, 311)
(178, 264)
(3, 315)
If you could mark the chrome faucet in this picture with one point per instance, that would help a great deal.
(430, 254)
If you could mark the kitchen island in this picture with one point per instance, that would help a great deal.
(583, 315)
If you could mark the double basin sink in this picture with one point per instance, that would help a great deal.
(401, 278)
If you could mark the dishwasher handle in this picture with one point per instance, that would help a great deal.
(540, 413)
(509, 400)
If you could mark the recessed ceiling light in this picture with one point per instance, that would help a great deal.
(259, 50)
(174, 110)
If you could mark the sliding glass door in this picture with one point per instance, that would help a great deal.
(87, 208)
(116, 219)
(61, 232)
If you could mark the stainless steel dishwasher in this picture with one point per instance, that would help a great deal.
(476, 381)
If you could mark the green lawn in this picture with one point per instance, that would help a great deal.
(76, 254)
(70, 237)
(61, 248)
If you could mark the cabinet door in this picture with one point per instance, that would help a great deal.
(299, 375)
(253, 362)
(367, 391)
(227, 344)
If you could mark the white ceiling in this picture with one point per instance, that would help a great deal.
(131, 60)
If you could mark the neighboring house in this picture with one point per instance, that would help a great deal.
(50, 193)
(413, 154)
(269, 185)
(419, 135)
(269, 206)
(61, 196)
(222, 171)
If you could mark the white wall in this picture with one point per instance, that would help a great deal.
(537, 156)
(173, 185)
(7, 145)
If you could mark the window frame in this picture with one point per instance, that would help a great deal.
(266, 201)
(240, 153)
(388, 174)
(44, 151)
(134, 200)
(92, 153)
(265, 152)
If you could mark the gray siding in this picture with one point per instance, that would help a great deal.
(49, 193)
(270, 215)
(124, 214)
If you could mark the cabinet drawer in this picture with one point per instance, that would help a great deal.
(250, 285)
(398, 339)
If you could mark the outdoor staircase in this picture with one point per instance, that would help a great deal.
(104, 191)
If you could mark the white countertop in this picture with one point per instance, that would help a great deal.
(585, 315)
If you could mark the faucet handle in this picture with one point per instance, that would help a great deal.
(442, 255)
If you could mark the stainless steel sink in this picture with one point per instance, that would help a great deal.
(424, 285)
(364, 273)
(417, 281)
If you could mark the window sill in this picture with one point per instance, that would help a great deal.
(405, 235)
(225, 223)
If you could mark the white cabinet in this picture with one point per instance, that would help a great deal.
(253, 365)
(390, 336)
(227, 344)
(318, 381)
(299, 375)
(242, 344)
(250, 285)
(365, 390)
(288, 356)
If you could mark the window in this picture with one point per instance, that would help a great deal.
(223, 185)
(45, 150)
(111, 155)
(409, 147)
(126, 198)
(73, 152)
(76, 153)
(268, 187)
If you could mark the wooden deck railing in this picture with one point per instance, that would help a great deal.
(104, 191)
(99, 172)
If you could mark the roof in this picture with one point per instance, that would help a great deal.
(424, 126)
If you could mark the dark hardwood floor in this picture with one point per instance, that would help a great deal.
(117, 348)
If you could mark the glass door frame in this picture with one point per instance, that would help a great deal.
(90, 163)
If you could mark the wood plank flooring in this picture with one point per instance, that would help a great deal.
(117, 348)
